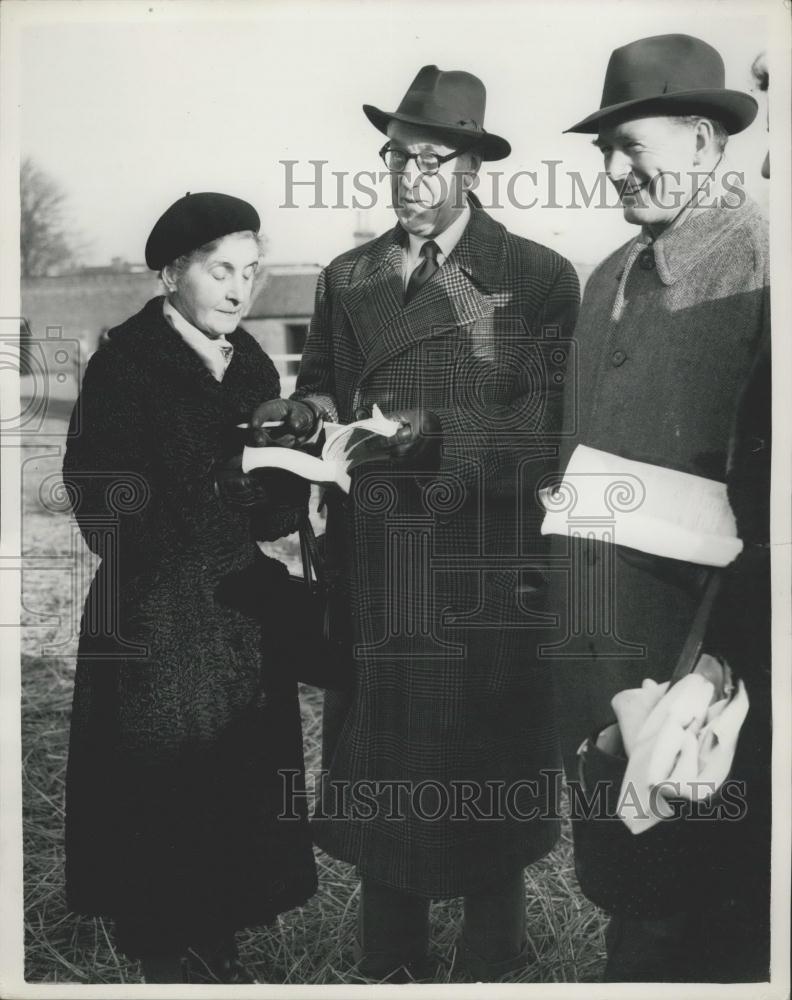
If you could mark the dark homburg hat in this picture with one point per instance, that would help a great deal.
(194, 220)
(668, 75)
(451, 104)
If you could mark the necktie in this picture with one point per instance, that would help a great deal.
(425, 269)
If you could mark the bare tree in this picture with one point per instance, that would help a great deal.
(44, 240)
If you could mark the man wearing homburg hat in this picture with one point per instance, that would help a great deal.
(440, 321)
(669, 326)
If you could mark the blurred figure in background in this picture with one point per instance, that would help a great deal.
(761, 75)
(738, 926)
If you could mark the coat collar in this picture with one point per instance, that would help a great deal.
(152, 341)
(207, 348)
(457, 294)
(697, 230)
(480, 252)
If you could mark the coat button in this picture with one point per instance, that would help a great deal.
(757, 444)
(618, 358)
(646, 260)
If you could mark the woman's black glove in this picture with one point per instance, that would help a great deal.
(300, 420)
(274, 499)
(238, 489)
(274, 489)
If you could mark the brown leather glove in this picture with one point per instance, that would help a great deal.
(417, 444)
(300, 419)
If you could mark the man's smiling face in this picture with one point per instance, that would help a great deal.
(652, 163)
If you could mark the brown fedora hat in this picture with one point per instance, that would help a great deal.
(668, 75)
(452, 104)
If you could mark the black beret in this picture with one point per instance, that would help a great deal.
(194, 220)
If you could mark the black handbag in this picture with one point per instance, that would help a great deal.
(647, 876)
(304, 619)
(325, 659)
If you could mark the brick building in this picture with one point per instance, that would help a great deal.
(64, 316)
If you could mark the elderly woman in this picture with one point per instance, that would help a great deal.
(184, 720)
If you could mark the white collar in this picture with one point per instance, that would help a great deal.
(208, 348)
(447, 240)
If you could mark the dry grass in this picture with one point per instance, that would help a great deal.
(307, 946)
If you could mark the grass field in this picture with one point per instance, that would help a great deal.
(307, 946)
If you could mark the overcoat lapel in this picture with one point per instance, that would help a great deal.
(458, 294)
(375, 293)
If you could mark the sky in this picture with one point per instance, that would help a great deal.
(128, 106)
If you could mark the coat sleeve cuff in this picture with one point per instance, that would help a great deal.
(325, 403)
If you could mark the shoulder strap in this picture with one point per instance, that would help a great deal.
(313, 567)
(691, 650)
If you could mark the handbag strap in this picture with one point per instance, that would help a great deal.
(313, 567)
(691, 650)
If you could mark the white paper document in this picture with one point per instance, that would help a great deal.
(343, 450)
(642, 506)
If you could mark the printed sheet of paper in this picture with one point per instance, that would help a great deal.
(342, 440)
(342, 452)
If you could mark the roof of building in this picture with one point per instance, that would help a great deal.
(287, 292)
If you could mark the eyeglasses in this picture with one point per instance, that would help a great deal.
(427, 162)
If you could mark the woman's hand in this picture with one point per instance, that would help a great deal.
(238, 489)
(273, 489)
(299, 420)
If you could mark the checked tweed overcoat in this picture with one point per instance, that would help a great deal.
(429, 761)
(182, 717)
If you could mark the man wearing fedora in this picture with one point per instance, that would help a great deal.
(669, 326)
(441, 321)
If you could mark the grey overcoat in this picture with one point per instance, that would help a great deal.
(658, 384)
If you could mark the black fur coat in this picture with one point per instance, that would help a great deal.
(183, 722)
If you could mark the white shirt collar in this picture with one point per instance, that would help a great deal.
(446, 241)
(207, 348)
